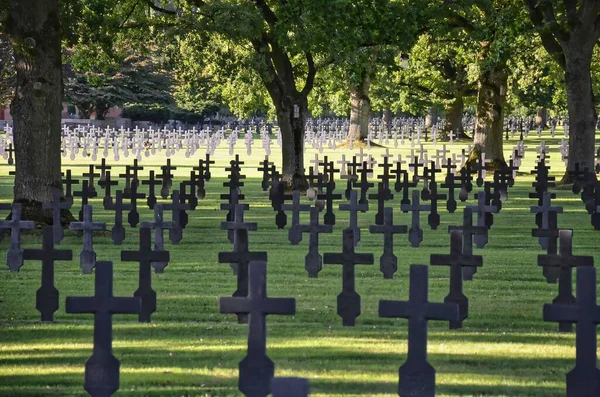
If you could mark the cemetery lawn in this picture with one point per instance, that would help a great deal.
(190, 349)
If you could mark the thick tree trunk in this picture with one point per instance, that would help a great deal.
(37, 104)
(582, 114)
(490, 117)
(541, 117)
(291, 116)
(387, 117)
(360, 110)
(454, 114)
(433, 114)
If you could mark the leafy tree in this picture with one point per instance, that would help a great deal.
(569, 30)
(497, 28)
(95, 87)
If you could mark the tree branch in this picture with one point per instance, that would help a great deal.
(268, 14)
(549, 41)
(310, 77)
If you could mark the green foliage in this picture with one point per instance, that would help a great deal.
(97, 86)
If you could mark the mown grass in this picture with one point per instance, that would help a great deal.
(189, 349)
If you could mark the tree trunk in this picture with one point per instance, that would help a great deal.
(454, 114)
(387, 117)
(542, 117)
(582, 114)
(488, 136)
(291, 116)
(360, 110)
(37, 104)
(431, 119)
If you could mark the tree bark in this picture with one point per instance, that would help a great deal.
(580, 106)
(489, 122)
(36, 107)
(542, 117)
(454, 114)
(360, 110)
(431, 119)
(292, 113)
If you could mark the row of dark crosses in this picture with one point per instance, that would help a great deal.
(240, 257)
(584, 379)
(562, 262)
(587, 185)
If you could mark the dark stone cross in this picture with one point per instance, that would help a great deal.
(85, 195)
(348, 301)
(278, 197)
(158, 225)
(354, 207)
(91, 175)
(68, 183)
(241, 256)
(107, 183)
(313, 261)
(457, 262)
(46, 297)
(416, 375)
(10, 152)
(550, 234)
(166, 178)
(482, 209)
(450, 184)
(102, 368)
(117, 232)
(290, 387)
(328, 197)
(103, 168)
(134, 169)
(257, 369)
(133, 217)
(381, 196)
(466, 184)
(364, 185)
(57, 206)
(548, 213)
(388, 263)
(152, 182)
(87, 257)
(584, 379)
(14, 255)
(128, 175)
(433, 219)
(592, 206)
(415, 233)
(295, 208)
(386, 176)
(178, 209)
(145, 256)
(267, 177)
(468, 231)
(565, 261)
(415, 167)
(403, 185)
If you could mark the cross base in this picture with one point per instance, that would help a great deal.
(583, 382)
(101, 375)
(348, 307)
(46, 302)
(416, 380)
(256, 374)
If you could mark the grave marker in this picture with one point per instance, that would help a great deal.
(257, 369)
(102, 368)
(46, 297)
(348, 301)
(416, 375)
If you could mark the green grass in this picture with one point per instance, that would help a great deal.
(505, 349)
